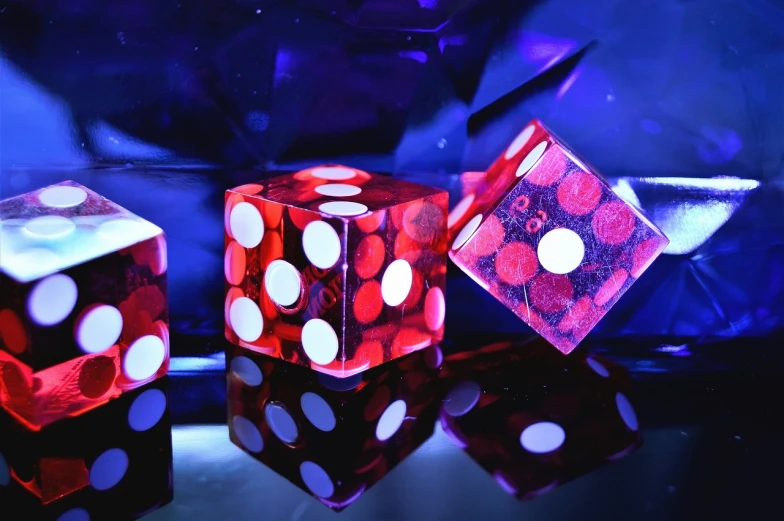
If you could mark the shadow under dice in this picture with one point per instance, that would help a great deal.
(535, 420)
(335, 268)
(83, 307)
(332, 437)
(112, 463)
(545, 234)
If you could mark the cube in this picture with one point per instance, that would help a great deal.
(332, 437)
(83, 306)
(545, 234)
(114, 462)
(534, 419)
(335, 268)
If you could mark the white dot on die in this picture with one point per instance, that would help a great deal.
(247, 434)
(391, 420)
(542, 437)
(5, 472)
(121, 228)
(321, 244)
(318, 411)
(316, 479)
(147, 410)
(246, 370)
(144, 357)
(531, 159)
(462, 398)
(519, 142)
(344, 208)
(35, 261)
(334, 173)
(626, 411)
(246, 225)
(597, 367)
(560, 251)
(467, 231)
(50, 227)
(281, 423)
(283, 283)
(319, 341)
(396, 282)
(108, 469)
(459, 210)
(435, 308)
(338, 190)
(62, 196)
(75, 514)
(98, 328)
(52, 300)
(246, 320)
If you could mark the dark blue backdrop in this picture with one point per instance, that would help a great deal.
(160, 105)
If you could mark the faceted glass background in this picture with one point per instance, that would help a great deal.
(161, 105)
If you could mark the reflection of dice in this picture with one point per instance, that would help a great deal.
(83, 310)
(547, 236)
(325, 264)
(535, 420)
(113, 462)
(332, 437)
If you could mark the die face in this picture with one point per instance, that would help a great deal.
(322, 269)
(559, 247)
(535, 420)
(49, 230)
(332, 437)
(115, 459)
(71, 340)
(396, 283)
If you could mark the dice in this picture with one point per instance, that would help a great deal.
(332, 437)
(545, 234)
(83, 306)
(114, 462)
(534, 419)
(335, 268)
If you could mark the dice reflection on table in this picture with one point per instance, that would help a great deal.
(113, 463)
(545, 234)
(332, 437)
(335, 268)
(534, 419)
(83, 308)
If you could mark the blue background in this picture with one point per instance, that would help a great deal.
(161, 105)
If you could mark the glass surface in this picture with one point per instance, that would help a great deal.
(711, 450)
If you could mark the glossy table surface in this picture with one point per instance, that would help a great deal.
(712, 447)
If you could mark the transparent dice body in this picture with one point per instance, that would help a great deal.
(544, 233)
(335, 268)
(83, 306)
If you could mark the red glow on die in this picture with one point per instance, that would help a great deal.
(579, 193)
(613, 222)
(551, 293)
(516, 263)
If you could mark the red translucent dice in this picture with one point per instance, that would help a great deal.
(83, 307)
(335, 268)
(334, 438)
(545, 234)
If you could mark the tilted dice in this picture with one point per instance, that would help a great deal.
(545, 234)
